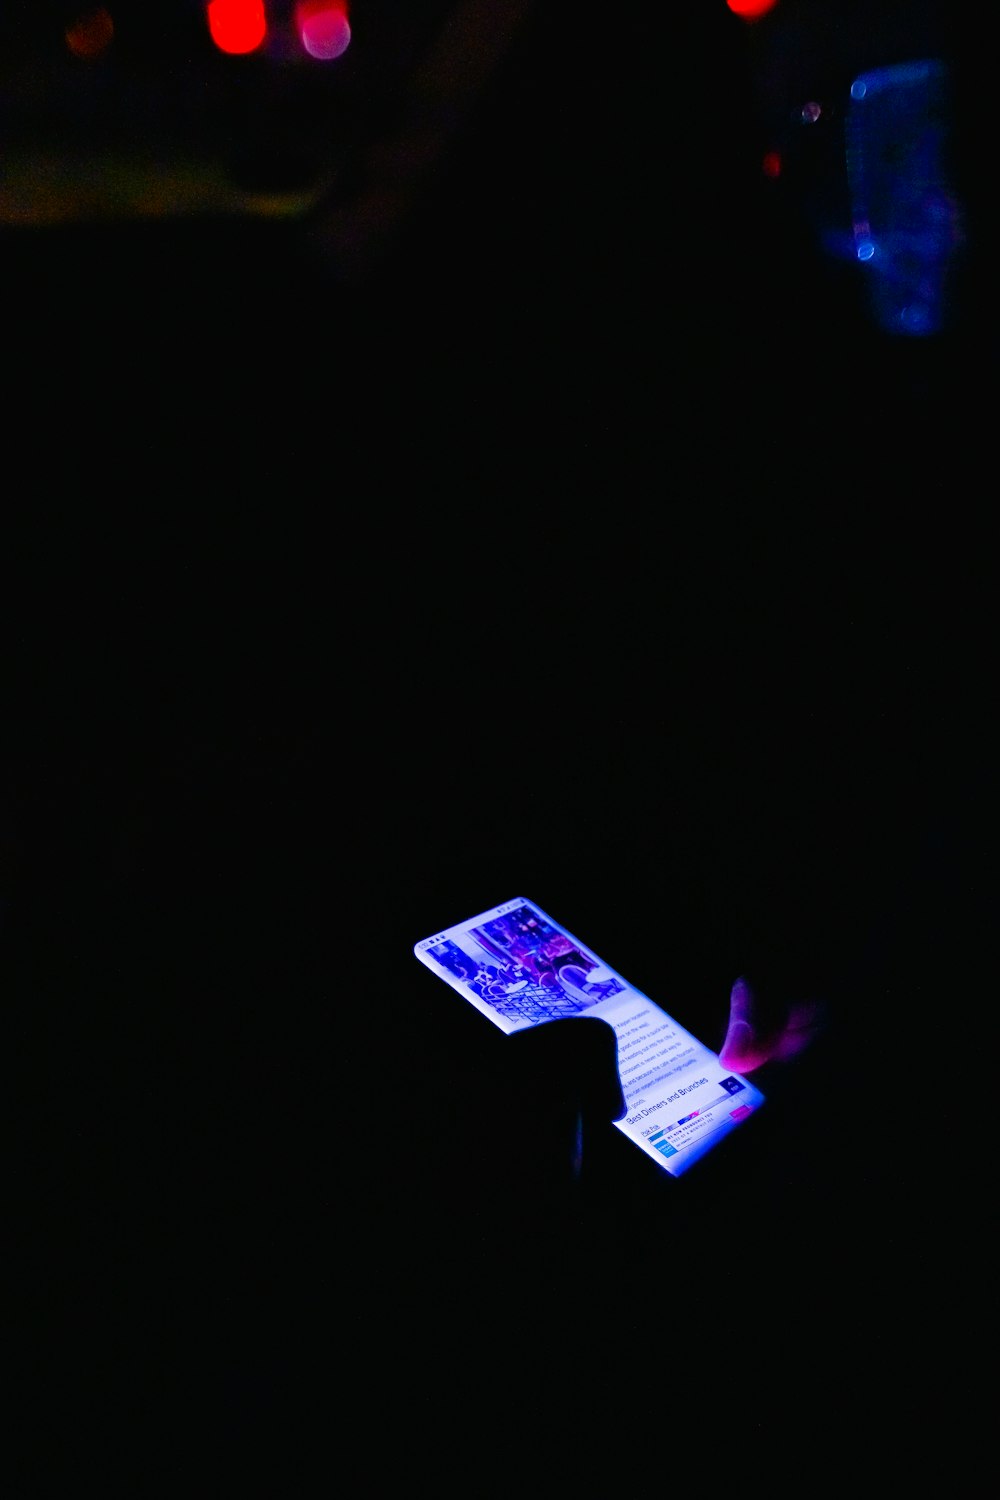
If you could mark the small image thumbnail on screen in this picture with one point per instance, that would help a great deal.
(526, 969)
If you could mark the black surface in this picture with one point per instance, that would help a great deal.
(644, 592)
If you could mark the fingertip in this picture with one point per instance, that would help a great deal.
(738, 1047)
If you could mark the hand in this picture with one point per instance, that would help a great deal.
(751, 1041)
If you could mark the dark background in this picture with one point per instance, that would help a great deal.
(576, 537)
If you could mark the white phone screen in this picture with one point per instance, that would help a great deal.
(521, 968)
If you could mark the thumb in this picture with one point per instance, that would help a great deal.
(566, 1077)
(572, 1063)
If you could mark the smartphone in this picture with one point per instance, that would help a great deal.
(521, 968)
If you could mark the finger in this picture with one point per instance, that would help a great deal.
(742, 1002)
(745, 1047)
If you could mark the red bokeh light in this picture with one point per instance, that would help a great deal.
(237, 26)
(324, 30)
(91, 33)
(751, 10)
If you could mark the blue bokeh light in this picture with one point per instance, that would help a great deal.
(905, 206)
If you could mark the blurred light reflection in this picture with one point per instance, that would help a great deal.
(237, 26)
(907, 218)
(91, 33)
(751, 10)
(323, 27)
